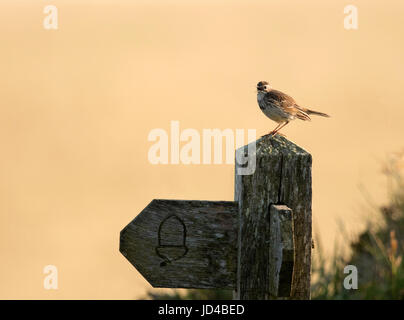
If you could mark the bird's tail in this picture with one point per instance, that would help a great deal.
(308, 111)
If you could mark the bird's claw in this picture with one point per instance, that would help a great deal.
(272, 133)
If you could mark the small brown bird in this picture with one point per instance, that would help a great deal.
(280, 107)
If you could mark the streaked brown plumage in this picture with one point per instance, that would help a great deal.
(280, 107)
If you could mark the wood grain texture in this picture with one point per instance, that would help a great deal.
(281, 250)
(282, 176)
(184, 244)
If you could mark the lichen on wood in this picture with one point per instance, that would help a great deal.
(282, 176)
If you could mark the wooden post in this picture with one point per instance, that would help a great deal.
(282, 177)
(258, 245)
(281, 250)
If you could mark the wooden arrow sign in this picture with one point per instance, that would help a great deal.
(258, 245)
(184, 244)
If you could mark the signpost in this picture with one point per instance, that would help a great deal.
(184, 244)
(258, 245)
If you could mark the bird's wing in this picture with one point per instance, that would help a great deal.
(302, 113)
(279, 97)
(286, 103)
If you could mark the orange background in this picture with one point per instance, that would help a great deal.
(78, 103)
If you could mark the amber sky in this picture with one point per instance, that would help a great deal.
(78, 103)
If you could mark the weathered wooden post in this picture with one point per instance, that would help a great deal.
(282, 177)
(258, 245)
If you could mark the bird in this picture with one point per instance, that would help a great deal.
(280, 107)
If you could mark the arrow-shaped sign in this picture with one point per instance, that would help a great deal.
(258, 245)
(184, 244)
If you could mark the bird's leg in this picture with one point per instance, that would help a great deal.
(274, 132)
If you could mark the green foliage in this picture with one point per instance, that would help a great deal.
(377, 253)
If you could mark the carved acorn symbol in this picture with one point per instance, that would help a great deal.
(171, 240)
